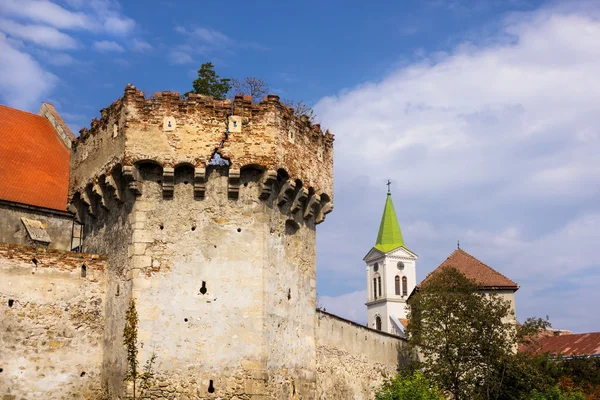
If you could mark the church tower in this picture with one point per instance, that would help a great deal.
(391, 275)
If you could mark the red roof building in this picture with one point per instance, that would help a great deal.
(571, 345)
(485, 276)
(34, 161)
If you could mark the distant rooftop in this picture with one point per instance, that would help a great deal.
(485, 276)
(35, 163)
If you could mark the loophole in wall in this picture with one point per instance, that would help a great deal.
(82, 374)
(11, 302)
(185, 320)
(211, 388)
(83, 271)
(203, 289)
(239, 229)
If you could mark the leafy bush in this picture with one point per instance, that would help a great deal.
(412, 387)
(555, 393)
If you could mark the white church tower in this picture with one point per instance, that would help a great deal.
(391, 275)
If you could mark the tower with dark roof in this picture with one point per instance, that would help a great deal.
(391, 274)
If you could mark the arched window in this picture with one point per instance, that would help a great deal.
(397, 282)
(375, 288)
(378, 323)
(404, 286)
(379, 285)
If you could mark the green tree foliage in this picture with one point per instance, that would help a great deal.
(555, 393)
(141, 380)
(411, 387)
(209, 83)
(461, 332)
(468, 338)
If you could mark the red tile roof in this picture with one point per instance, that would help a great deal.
(403, 322)
(34, 163)
(579, 344)
(472, 268)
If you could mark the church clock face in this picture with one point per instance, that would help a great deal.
(376, 267)
(400, 265)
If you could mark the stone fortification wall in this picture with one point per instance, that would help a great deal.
(353, 360)
(173, 131)
(58, 226)
(224, 283)
(52, 323)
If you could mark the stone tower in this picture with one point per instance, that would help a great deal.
(391, 275)
(220, 259)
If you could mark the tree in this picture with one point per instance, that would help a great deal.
(209, 83)
(133, 374)
(463, 335)
(300, 108)
(411, 387)
(257, 88)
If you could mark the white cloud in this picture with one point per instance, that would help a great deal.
(39, 34)
(209, 36)
(140, 46)
(108, 46)
(494, 143)
(117, 25)
(47, 12)
(350, 305)
(23, 82)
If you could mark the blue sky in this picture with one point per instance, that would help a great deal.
(483, 114)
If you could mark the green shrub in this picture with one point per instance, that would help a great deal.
(555, 393)
(411, 387)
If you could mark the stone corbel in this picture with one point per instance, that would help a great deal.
(85, 199)
(132, 177)
(168, 181)
(301, 196)
(199, 182)
(312, 206)
(97, 190)
(325, 209)
(234, 183)
(112, 183)
(286, 192)
(269, 179)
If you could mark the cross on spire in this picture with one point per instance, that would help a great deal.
(388, 185)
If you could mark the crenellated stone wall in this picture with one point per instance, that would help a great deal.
(353, 360)
(52, 323)
(172, 131)
(221, 260)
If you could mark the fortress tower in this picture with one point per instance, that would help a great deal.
(220, 259)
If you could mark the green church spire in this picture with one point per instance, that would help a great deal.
(390, 236)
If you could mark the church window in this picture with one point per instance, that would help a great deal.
(404, 286)
(378, 323)
(375, 288)
(397, 283)
(379, 285)
(376, 267)
(400, 265)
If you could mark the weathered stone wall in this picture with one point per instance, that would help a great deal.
(352, 360)
(220, 260)
(251, 330)
(58, 225)
(136, 128)
(51, 323)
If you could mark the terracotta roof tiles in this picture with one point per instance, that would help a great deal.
(580, 344)
(34, 163)
(472, 268)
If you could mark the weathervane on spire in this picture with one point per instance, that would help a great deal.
(388, 185)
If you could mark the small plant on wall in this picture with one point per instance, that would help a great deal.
(141, 379)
